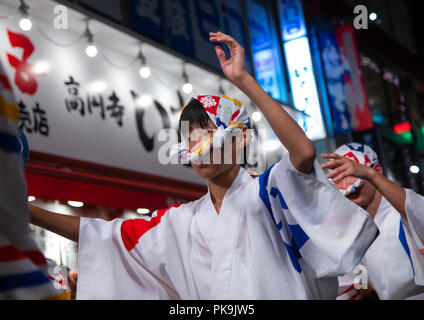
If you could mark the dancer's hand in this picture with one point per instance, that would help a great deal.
(234, 68)
(343, 167)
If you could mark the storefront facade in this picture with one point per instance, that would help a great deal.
(97, 127)
(98, 122)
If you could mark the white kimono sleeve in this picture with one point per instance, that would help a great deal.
(316, 222)
(414, 232)
(116, 259)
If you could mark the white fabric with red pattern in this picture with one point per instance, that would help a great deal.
(360, 153)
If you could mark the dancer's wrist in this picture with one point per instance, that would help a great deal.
(243, 81)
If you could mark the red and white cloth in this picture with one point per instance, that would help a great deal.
(23, 268)
(360, 153)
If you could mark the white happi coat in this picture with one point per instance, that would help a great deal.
(285, 235)
(414, 226)
(394, 264)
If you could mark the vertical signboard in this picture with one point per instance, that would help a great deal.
(346, 89)
(299, 64)
(179, 27)
(265, 51)
(184, 25)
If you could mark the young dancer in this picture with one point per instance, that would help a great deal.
(394, 262)
(286, 235)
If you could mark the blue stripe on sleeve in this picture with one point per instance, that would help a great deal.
(16, 281)
(299, 236)
(274, 192)
(263, 192)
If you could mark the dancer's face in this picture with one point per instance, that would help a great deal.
(218, 161)
(364, 196)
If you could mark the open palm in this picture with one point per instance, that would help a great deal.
(234, 68)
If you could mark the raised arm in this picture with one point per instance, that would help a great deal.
(394, 193)
(64, 225)
(301, 149)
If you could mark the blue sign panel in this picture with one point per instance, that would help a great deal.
(194, 19)
(346, 90)
(301, 73)
(146, 18)
(335, 69)
(179, 27)
(265, 52)
(293, 22)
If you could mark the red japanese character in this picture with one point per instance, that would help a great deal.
(25, 75)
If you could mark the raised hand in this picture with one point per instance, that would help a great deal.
(343, 167)
(234, 68)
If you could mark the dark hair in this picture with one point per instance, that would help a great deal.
(195, 114)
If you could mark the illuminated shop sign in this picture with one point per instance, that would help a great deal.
(265, 52)
(345, 83)
(299, 63)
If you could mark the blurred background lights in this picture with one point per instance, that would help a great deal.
(91, 50)
(76, 204)
(41, 67)
(373, 16)
(144, 72)
(143, 211)
(414, 169)
(25, 24)
(187, 87)
(144, 100)
(256, 116)
(97, 86)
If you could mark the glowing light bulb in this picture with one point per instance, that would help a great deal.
(143, 211)
(145, 72)
(187, 87)
(76, 204)
(373, 16)
(25, 24)
(144, 100)
(91, 50)
(31, 198)
(414, 169)
(256, 116)
(97, 86)
(41, 67)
